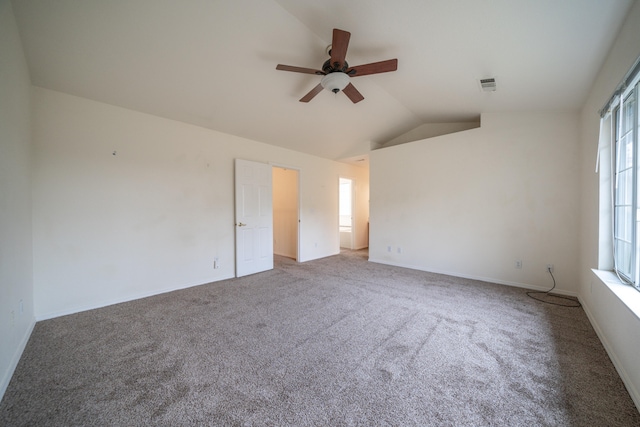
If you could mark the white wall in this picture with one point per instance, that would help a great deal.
(151, 218)
(361, 238)
(430, 130)
(472, 203)
(16, 282)
(617, 326)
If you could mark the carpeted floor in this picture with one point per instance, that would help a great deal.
(333, 342)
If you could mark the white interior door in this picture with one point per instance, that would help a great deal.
(254, 218)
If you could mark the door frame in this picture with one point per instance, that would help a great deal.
(299, 174)
(353, 209)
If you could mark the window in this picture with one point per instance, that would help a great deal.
(620, 130)
(626, 231)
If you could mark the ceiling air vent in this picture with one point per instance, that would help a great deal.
(488, 85)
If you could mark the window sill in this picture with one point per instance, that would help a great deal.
(626, 293)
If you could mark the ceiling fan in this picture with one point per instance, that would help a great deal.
(336, 71)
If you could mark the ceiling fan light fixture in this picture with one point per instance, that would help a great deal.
(335, 82)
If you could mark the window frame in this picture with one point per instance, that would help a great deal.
(626, 126)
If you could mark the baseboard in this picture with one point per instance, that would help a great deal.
(294, 256)
(631, 388)
(480, 278)
(319, 257)
(81, 308)
(6, 378)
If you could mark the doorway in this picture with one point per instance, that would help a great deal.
(346, 208)
(286, 210)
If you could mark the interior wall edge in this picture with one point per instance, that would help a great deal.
(8, 374)
(80, 308)
(479, 278)
(626, 379)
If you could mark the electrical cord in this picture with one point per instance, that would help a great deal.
(575, 304)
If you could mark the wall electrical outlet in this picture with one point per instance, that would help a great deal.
(550, 268)
(519, 264)
(399, 250)
(216, 263)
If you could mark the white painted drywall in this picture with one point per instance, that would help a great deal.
(285, 212)
(361, 188)
(128, 204)
(617, 326)
(430, 130)
(361, 240)
(16, 283)
(472, 203)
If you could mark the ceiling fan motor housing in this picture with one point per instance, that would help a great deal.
(328, 67)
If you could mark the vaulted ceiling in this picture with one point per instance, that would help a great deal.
(212, 62)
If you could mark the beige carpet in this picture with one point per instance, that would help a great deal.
(333, 342)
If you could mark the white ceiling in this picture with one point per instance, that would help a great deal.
(212, 62)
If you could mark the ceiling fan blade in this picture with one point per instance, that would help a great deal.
(353, 93)
(299, 69)
(308, 97)
(339, 46)
(373, 68)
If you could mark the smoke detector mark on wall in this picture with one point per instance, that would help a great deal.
(488, 85)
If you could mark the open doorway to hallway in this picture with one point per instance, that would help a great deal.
(346, 208)
(286, 210)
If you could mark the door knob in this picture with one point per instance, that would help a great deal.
(240, 224)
